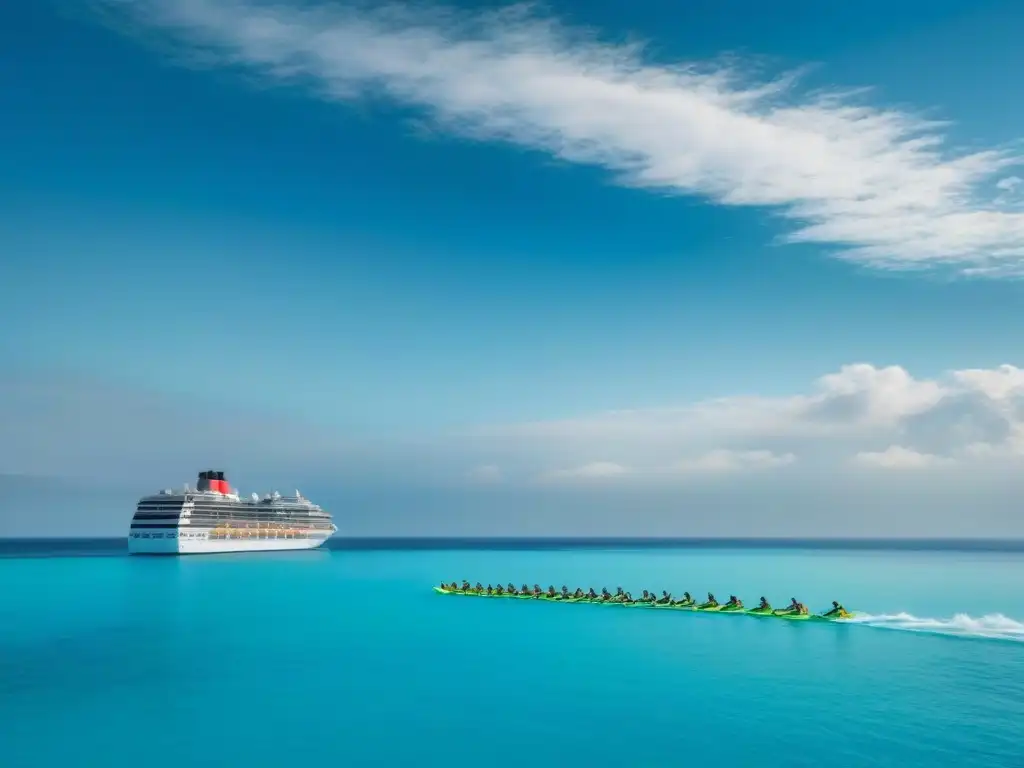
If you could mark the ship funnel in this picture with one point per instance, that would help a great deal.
(212, 480)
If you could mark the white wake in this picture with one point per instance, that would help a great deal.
(993, 626)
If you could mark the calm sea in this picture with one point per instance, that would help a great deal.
(347, 657)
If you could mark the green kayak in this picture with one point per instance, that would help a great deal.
(791, 615)
(720, 608)
(787, 615)
(683, 606)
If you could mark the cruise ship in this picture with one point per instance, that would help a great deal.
(213, 518)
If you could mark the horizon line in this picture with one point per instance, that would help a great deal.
(505, 542)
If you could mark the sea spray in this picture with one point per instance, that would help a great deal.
(993, 626)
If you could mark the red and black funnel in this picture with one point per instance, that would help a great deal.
(213, 480)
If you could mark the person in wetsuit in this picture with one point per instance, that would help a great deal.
(665, 599)
(685, 600)
(734, 602)
(837, 610)
(711, 602)
(796, 607)
(591, 594)
(764, 604)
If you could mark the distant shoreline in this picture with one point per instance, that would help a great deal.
(71, 546)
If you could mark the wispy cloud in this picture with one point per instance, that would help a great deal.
(713, 463)
(898, 457)
(1009, 184)
(864, 450)
(722, 461)
(869, 416)
(879, 186)
(859, 418)
(595, 470)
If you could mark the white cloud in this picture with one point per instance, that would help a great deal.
(997, 384)
(1009, 197)
(858, 397)
(1009, 184)
(722, 461)
(716, 462)
(963, 417)
(898, 457)
(767, 466)
(593, 471)
(879, 185)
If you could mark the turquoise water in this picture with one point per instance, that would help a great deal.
(349, 658)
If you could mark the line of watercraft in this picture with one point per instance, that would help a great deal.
(794, 611)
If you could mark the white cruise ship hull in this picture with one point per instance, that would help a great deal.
(199, 543)
(214, 518)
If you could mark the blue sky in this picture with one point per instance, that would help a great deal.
(478, 258)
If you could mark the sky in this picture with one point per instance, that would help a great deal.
(604, 268)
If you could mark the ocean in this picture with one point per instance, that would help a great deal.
(347, 657)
